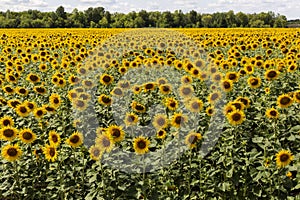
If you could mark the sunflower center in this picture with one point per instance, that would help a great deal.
(27, 135)
(22, 91)
(172, 104)
(141, 144)
(139, 107)
(254, 82)
(12, 152)
(161, 121)
(96, 152)
(273, 113)
(54, 138)
(106, 79)
(284, 157)
(52, 152)
(23, 109)
(193, 139)
(160, 133)
(195, 105)
(226, 85)
(80, 104)
(178, 119)
(116, 133)
(236, 116)
(8, 133)
(214, 96)
(39, 112)
(285, 100)
(106, 142)
(272, 74)
(56, 101)
(106, 99)
(33, 78)
(6, 122)
(75, 139)
(166, 89)
(149, 86)
(118, 91)
(186, 91)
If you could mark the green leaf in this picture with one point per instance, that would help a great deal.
(295, 128)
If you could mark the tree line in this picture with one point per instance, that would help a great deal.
(100, 18)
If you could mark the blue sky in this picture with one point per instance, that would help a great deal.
(289, 8)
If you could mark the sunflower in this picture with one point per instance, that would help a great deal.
(214, 97)
(13, 103)
(254, 82)
(95, 152)
(30, 105)
(210, 111)
(216, 77)
(160, 121)
(131, 119)
(54, 138)
(61, 82)
(33, 78)
(116, 132)
(186, 91)
(226, 85)
(39, 112)
(192, 139)
(79, 104)
(236, 117)
(171, 103)
(238, 105)
(162, 81)
(27, 136)
(50, 152)
(267, 90)
(40, 89)
(284, 101)
(292, 68)
(141, 145)
(228, 108)
(122, 70)
(195, 105)
(75, 140)
(105, 142)
(297, 96)
(106, 79)
(6, 121)
(104, 100)
(22, 110)
(283, 158)
(246, 101)
(8, 133)
(11, 152)
(73, 79)
(271, 74)
(178, 120)
(165, 88)
(8, 89)
(88, 84)
(138, 107)
(186, 79)
(136, 89)
(161, 134)
(272, 113)
(55, 100)
(117, 92)
(149, 86)
(22, 91)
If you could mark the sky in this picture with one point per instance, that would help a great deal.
(289, 8)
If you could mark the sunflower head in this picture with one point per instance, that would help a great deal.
(105, 142)
(6, 121)
(178, 120)
(116, 133)
(95, 152)
(8, 133)
(75, 140)
(192, 139)
(283, 158)
(50, 152)
(54, 138)
(284, 101)
(161, 134)
(11, 152)
(27, 136)
(236, 117)
(141, 145)
(131, 119)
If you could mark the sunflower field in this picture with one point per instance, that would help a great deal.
(149, 114)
